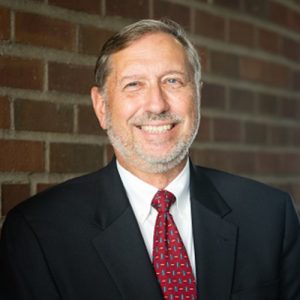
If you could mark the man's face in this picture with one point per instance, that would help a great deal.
(151, 113)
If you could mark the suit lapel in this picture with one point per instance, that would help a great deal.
(214, 239)
(120, 245)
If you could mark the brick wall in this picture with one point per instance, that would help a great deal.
(250, 52)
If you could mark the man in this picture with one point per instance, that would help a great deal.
(117, 233)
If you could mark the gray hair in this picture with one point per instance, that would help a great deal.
(133, 32)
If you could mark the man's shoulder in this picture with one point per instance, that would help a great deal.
(81, 193)
(249, 201)
(242, 190)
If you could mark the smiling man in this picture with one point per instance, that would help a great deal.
(150, 107)
(151, 225)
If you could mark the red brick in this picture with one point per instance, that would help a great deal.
(213, 96)
(255, 133)
(70, 78)
(23, 156)
(4, 24)
(294, 20)
(178, 13)
(257, 8)
(91, 39)
(278, 13)
(241, 100)
(75, 158)
(21, 73)
(43, 116)
(241, 33)
(280, 136)
(44, 31)
(289, 108)
(90, 6)
(296, 80)
(295, 136)
(43, 186)
(4, 112)
(224, 64)
(251, 68)
(87, 121)
(242, 162)
(210, 25)
(136, 9)
(230, 4)
(13, 194)
(268, 41)
(205, 132)
(268, 104)
(227, 130)
(291, 49)
(268, 163)
(212, 158)
(264, 72)
(277, 75)
(228, 160)
(290, 163)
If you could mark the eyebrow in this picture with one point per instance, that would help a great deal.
(137, 76)
(130, 77)
(181, 73)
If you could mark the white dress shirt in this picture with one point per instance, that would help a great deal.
(140, 195)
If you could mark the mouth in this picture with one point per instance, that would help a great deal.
(156, 128)
(156, 123)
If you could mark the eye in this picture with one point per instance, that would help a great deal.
(132, 86)
(134, 83)
(173, 82)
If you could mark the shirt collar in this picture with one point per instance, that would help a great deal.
(140, 193)
(180, 187)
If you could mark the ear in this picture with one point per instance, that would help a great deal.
(99, 106)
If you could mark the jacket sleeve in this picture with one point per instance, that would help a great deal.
(24, 274)
(290, 263)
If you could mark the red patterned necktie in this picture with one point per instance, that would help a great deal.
(170, 260)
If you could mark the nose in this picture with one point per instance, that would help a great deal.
(156, 101)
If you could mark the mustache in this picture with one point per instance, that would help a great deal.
(145, 118)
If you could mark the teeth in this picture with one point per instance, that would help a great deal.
(156, 129)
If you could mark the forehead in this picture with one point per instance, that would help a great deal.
(154, 49)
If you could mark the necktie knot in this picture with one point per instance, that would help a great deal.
(163, 200)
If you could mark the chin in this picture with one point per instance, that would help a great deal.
(155, 164)
(158, 168)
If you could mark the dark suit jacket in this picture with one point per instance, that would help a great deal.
(80, 240)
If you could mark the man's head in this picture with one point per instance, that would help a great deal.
(147, 95)
(133, 32)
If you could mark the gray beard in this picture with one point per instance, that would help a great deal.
(147, 163)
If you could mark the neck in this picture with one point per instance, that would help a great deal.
(158, 180)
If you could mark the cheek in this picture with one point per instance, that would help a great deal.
(185, 106)
(125, 106)
(122, 113)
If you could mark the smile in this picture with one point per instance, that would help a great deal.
(156, 129)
